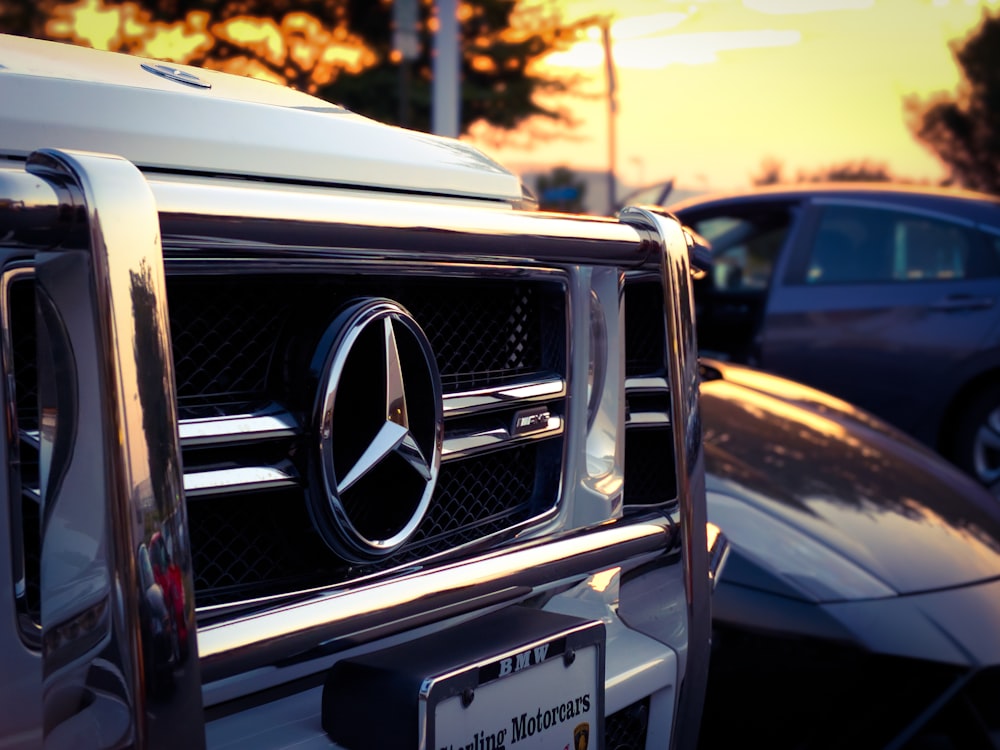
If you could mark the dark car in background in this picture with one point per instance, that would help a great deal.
(860, 603)
(886, 296)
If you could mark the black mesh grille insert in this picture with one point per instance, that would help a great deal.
(264, 544)
(233, 336)
(644, 329)
(254, 545)
(225, 337)
(649, 466)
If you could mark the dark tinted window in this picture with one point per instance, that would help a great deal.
(855, 244)
(744, 248)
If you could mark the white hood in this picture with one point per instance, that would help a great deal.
(62, 96)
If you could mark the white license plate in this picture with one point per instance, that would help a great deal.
(549, 694)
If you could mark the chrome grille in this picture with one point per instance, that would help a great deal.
(242, 345)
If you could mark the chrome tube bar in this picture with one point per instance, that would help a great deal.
(116, 581)
(355, 225)
(681, 347)
(32, 210)
(352, 224)
(421, 598)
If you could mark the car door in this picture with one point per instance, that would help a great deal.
(879, 303)
(747, 241)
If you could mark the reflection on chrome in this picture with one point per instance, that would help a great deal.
(267, 423)
(244, 479)
(302, 216)
(490, 398)
(459, 446)
(718, 552)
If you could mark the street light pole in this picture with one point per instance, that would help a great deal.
(406, 48)
(609, 69)
(446, 83)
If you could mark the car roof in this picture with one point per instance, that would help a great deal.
(965, 203)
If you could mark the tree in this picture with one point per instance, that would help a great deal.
(771, 172)
(863, 170)
(340, 50)
(963, 129)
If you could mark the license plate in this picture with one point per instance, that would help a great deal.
(547, 694)
(515, 679)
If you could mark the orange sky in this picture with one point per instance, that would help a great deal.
(708, 89)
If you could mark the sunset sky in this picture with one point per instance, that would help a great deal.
(709, 89)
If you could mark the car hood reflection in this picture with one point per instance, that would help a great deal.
(845, 480)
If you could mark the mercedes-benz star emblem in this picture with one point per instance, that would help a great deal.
(380, 427)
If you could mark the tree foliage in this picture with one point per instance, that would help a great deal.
(340, 50)
(772, 172)
(963, 128)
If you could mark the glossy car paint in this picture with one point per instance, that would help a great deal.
(119, 107)
(857, 557)
(870, 494)
(916, 351)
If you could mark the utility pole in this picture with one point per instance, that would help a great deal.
(446, 84)
(609, 69)
(406, 46)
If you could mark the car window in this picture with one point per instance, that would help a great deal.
(992, 260)
(856, 245)
(744, 250)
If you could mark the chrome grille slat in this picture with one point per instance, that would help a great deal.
(459, 446)
(243, 479)
(493, 398)
(273, 422)
(270, 423)
(647, 415)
